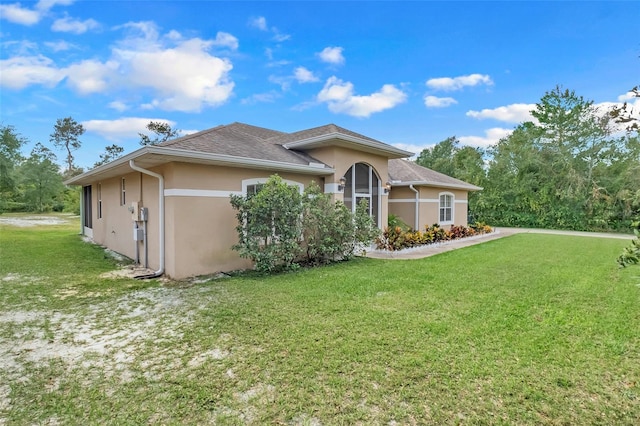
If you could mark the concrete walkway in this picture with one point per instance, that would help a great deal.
(433, 249)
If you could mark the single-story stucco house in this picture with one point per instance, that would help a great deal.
(169, 204)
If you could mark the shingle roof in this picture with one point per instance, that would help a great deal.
(240, 140)
(403, 171)
(328, 129)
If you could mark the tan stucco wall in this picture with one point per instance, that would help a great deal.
(115, 228)
(429, 205)
(341, 159)
(202, 228)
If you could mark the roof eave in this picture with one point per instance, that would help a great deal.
(174, 154)
(467, 187)
(105, 167)
(380, 147)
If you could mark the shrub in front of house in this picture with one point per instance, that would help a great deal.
(328, 228)
(395, 238)
(269, 225)
(279, 228)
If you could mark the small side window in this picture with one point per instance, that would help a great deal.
(123, 193)
(99, 201)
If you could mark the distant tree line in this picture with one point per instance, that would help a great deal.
(35, 183)
(577, 167)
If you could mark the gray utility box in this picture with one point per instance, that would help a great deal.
(138, 234)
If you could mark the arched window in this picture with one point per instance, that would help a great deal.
(363, 183)
(446, 208)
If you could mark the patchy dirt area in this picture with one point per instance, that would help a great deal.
(109, 336)
(27, 221)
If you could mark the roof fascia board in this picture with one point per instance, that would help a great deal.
(468, 187)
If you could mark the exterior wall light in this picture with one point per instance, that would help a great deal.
(342, 184)
(387, 187)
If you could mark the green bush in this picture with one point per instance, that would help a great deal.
(269, 226)
(631, 255)
(278, 227)
(328, 228)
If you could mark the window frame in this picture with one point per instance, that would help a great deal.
(123, 192)
(443, 209)
(99, 197)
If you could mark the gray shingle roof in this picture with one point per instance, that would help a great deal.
(240, 140)
(328, 129)
(403, 171)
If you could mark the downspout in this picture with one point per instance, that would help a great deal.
(160, 178)
(417, 222)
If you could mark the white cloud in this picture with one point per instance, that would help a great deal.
(48, 4)
(416, 149)
(180, 75)
(514, 113)
(90, 76)
(332, 55)
(18, 15)
(121, 128)
(187, 132)
(22, 71)
(278, 36)
(21, 15)
(118, 106)
(70, 25)
(59, 46)
(268, 97)
(303, 75)
(340, 98)
(260, 23)
(226, 40)
(186, 77)
(20, 48)
(491, 137)
(627, 97)
(436, 102)
(457, 83)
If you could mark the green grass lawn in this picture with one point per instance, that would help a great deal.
(527, 329)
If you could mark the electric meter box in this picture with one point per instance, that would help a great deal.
(138, 234)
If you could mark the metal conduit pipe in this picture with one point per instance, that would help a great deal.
(161, 219)
(417, 213)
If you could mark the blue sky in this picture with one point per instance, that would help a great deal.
(406, 73)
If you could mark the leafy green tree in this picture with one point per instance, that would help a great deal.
(110, 153)
(10, 144)
(40, 182)
(270, 226)
(570, 170)
(163, 132)
(66, 136)
(440, 157)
